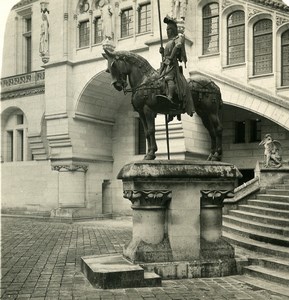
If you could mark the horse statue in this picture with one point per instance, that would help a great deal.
(146, 86)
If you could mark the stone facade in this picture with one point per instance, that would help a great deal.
(77, 132)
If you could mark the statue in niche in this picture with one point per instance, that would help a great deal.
(179, 8)
(272, 152)
(106, 16)
(44, 38)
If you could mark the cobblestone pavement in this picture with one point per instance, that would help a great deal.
(41, 260)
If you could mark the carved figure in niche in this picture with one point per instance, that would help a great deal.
(106, 17)
(272, 152)
(179, 8)
(44, 36)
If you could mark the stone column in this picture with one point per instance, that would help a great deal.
(149, 241)
(211, 213)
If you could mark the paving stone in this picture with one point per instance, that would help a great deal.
(41, 260)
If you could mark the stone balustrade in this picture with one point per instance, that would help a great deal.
(20, 82)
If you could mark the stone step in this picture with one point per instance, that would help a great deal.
(275, 239)
(271, 275)
(265, 211)
(277, 192)
(273, 263)
(259, 218)
(282, 186)
(279, 198)
(250, 224)
(114, 271)
(263, 284)
(256, 246)
(269, 204)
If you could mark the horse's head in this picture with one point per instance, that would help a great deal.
(117, 67)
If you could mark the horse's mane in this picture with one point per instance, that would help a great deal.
(135, 59)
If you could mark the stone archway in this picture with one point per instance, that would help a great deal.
(103, 129)
(99, 101)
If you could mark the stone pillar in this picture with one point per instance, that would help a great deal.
(149, 239)
(71, 191)
(211, 214)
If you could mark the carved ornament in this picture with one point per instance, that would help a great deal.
(70, 168)
(280, 21)
(214, 198)
(226, 3)
(23, 93)
(252, 12)
(148, 197)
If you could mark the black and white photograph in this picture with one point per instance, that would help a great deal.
(144, 149)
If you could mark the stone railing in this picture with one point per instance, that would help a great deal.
(241, 192)
(23, 81)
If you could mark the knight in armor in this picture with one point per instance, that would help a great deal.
(173, 53)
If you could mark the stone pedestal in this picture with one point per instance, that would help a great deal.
(177, 215)
(177, 224)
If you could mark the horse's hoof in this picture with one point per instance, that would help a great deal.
(210, 157)
(149, 157)
(216, 157)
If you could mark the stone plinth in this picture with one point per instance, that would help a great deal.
(271, 176)
(177, 215)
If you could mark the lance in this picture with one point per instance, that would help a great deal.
(166, 116)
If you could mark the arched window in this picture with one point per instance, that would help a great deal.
(236, 37)
(15, 138)
(285, 58)
(211, 28)
(262, 47)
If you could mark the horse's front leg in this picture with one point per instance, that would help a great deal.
(150, 121)
(218, 129)
(145, 128)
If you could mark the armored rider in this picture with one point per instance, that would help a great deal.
(173, 53)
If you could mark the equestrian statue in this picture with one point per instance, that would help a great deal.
(166, 91)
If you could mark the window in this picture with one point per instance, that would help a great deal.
(211, 28)
(140, 145)
(144, 18)
(255, 130)
(285, 58)
(240, 132)
(262, 47)
(84, 34)
(15, 138)
(236, 37)
(27, 42)
(98, 37)
(126, 22)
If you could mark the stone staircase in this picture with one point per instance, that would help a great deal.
(259, 229)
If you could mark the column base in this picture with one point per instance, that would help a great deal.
(138, 251)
